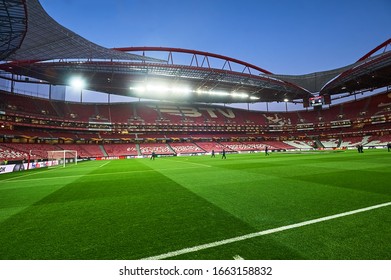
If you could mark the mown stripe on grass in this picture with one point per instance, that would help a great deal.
(25, 175)
(123, 219)
(15, 180)
(261, 233)
(193, 163)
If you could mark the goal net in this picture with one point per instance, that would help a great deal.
(62, 158)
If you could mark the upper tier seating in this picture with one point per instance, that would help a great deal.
(379, 105)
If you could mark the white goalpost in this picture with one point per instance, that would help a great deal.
(62, 157)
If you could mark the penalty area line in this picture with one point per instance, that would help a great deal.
(261, 233)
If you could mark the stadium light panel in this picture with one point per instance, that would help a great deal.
(199, 91)
(240, 95)
(161, 90)
(220, 93)
(182, 90)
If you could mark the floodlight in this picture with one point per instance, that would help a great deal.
(286, 100)
(157, 88)
(77, 82)
(161, 89)
(138, 89)
(200, 91)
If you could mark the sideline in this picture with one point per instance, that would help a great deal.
(261, 233)
(26, 175)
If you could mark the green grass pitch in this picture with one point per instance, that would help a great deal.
(139, 208)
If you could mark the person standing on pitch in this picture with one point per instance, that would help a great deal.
(266, 151)
(223, 155)
(213, 153)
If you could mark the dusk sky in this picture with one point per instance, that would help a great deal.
(283, 37)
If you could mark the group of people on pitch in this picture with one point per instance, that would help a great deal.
(223, 156)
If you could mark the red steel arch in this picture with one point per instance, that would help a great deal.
(194, 53)
(382, 45)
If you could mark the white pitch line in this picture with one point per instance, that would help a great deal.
(238, 258)
(261, 233)
(104, 164)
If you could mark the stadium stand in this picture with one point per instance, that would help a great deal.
(278, 145)
(159, 148)
(117, 150)
(352, 142)
(255, 146)
(22, 151)
(378, 141)
(186, 148)
(209, 146)
(120, 113)
(299, 145)
(84, 150)
(235, 146)
(330, 143)
(7, 153)
(119, 129)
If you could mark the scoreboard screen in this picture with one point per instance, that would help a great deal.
(316, 101)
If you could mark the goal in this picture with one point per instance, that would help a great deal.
(62, 158)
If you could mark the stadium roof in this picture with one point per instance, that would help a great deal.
(44, 39)
(13, 26)
(34, 45)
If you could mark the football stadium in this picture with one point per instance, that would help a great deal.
(181, 172)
